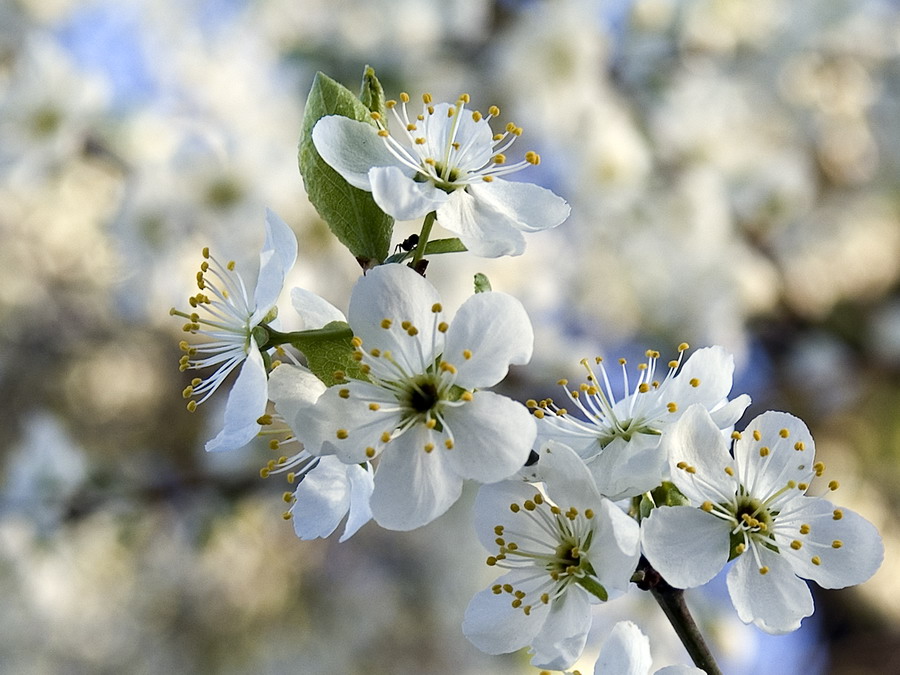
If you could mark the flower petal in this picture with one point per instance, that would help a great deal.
(695, 440)
(292, 388)
(568, 480)
(397, 293)
(401, 197)
(314, 310)
(626, 468)
(849, 549)
(494, 330)
(493, 436)
(246, 403)
(775, 601)
(625, 651)
(492, 510)
(493, 625)
(531, 207)
(361, 486)
(323, 498)
(686, 545)
(277, 257)
(413, 487)
(617, 548)
(564, 633)
(706, 377)
(766, 465)
(351, 148)
(484, 231)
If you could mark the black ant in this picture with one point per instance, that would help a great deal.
(407, 244)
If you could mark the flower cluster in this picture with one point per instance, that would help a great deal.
(388, 412)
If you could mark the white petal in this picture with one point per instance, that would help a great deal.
(530, 206)
(292, 388)
(858, 557)
(680, 670)
(484, 231)
(495, 329)
(361, 486)
(494, 626)
(493, 436)
(396, 293)
(775, 601)
(687, 546)
(492, 509)
(726, 415)
(318, 426)
(711, 369)
(401, 197)
(695, 440)
(314, 310)
(323, 498)
(616, 548)
(277, 257)
(568, 480)
(623, 469)
(412, 487)
(625, 651)
(246, 404)
(351, 148)
(765, 475)
(561, 639)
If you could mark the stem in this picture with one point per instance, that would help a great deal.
(671, 601)
(423, 238)
(276, 338)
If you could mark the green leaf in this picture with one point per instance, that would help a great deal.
(433, 247)
(329, 353)
(350, 213)
(371, 93)
(482, 283)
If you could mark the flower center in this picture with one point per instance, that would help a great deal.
(423, 395)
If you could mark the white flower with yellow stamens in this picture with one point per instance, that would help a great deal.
(422, 412)
(620, 439)
(449, 161)
(754, 507)
(224, 312)
(565, 547)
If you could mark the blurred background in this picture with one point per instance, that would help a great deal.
(734, 174)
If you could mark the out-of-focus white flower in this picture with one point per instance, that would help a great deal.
(620, 440)
(565, 547)
(231, 317)
(422, 408)
(754, 507)
(450, 162)
(626, 651)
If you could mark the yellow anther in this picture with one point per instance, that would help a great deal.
(339, 375)
(837, 514)
(683, 347)
(803, 487)
(411, 127)
(764, 451)
(539, 414)
(673, 364)
(833, 485)
(448, 444)
(426, 98)
(467, 354)
(264, 419)
(487, 179)
(491, 561)
(187, 392)
(390, 103)
(443, 326)
(740, 548)
(531, 403)
(344, 393)
(431, 423)
(429, 447)
(804, 528)
(784, 433)
(288, 497)
(532, 157)
(386, 323)
(816, 560)
(694, 382)
(515, 508)
(274, 444)
(644, 387)
(191, 406)
(707, 506)
(420, 140)
(499, 158)
(370, 452)
(796, 544)
(837, 543)
(819, 468)
(385, 436)
(356, 341)
(374, 115)
(736, 435)
(264, 472)
(404, 97)
(466, 396)
(476, 115)
(763, 570)
(799, 445)
(374, 406)
(756, 435)
(451, 111)
(290, 476)
(672, 406)
(729, 471)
